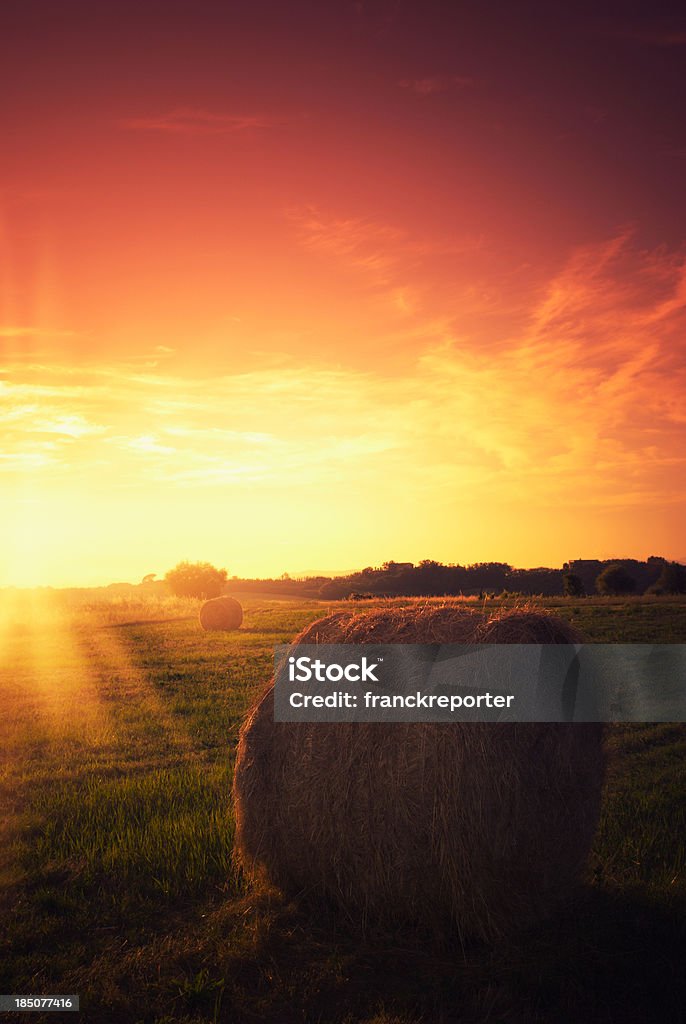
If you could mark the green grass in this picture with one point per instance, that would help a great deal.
(117, 740)
(166, 831)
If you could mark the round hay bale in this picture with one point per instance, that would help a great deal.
(221, 613)
(480, 827)
(526, 626)
(435, 624)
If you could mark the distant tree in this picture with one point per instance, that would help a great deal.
(196, 579)
(149, 578)
(672, 580)
(332, 591)
(615, 580)
(573, 585)
(547, 582)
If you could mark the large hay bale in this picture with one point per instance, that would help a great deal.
(221, 613)
(414, 624)
(483, 827)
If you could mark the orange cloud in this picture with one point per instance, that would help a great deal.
(377, 249)
(16, 332)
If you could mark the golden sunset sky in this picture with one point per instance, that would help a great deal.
(298, 286)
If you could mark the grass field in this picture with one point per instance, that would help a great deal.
(118, 729)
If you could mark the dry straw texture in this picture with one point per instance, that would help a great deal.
(221, 613)
(479, 827)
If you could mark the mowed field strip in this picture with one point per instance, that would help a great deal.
(117, 737)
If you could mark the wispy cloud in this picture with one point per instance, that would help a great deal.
(66, 425)
(394, 270)
(23, 331)
(194, 121)
(214, 434)
(148, 444)
(365, 245)
(391, 266)
(436, 83)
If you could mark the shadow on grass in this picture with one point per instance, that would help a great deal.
(609, 959)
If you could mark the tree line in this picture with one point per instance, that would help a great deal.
(576, 578)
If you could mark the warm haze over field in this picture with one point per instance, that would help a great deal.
(300, 285)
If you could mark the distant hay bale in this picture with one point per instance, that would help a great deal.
(221, 613)
(480, 827)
